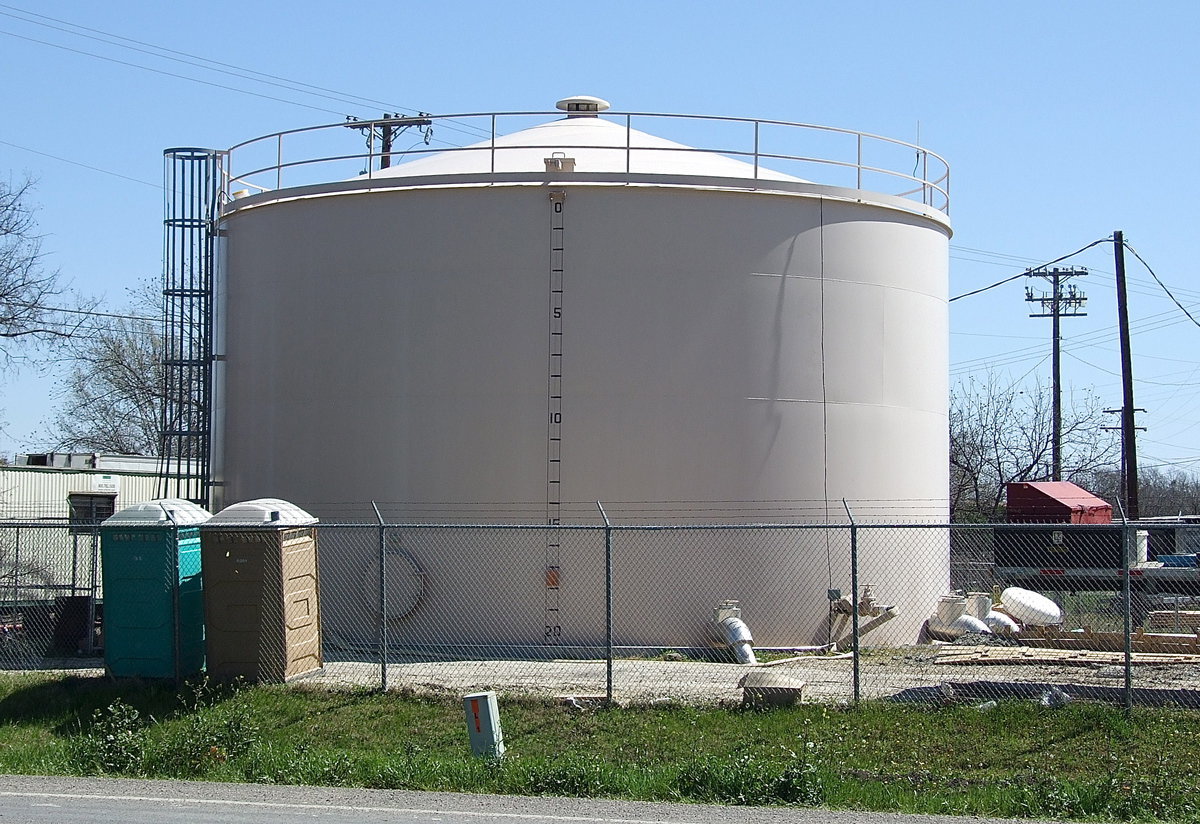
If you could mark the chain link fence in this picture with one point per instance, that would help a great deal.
(698, 614)
(50, 595)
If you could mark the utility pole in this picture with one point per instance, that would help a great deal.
(1057, 305)
(1124, 492)
(1128, 429)
(387, 129)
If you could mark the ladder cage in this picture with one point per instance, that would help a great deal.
(191, 186)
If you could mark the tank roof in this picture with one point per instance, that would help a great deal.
(595, 144)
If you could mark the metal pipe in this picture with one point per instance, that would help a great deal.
(737, 635)
(887, 614)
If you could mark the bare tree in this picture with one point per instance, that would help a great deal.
(1001, 433)
(1161, 491)
(27, 287)
(111, 400)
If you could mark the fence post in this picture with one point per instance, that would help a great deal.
(174, 597)
(382, 628)
(608, 606)
(1128, 550)
(854, 598)
(16, 565)
(89, 645)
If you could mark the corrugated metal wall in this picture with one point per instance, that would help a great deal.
(39, 493)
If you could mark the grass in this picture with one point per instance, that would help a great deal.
(1083, 761)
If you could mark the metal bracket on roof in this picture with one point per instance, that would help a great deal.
(559, 162)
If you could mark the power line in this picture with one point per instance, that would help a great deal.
(1148, 323)
(64, 311)
(1042, 266)
(1106, 371)
(1160, 283)
(169, 74)
(986, 288)
(242, 72)
(158, 51)
(82, 165)
(990, 253)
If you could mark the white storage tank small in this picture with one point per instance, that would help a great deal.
(581, 311)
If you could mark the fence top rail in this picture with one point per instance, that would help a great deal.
(648, 527)
(63, 523)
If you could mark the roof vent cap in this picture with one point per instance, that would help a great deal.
(582, 105)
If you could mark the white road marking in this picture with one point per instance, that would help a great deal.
(339, 807)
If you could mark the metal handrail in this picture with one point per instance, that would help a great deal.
(928, 182)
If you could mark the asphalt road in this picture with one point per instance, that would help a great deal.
(34, 799)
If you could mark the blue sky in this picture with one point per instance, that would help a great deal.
(1062, 122)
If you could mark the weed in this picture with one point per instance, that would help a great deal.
(581, 776)
(202, 740)
(114, 742)
(751, 779)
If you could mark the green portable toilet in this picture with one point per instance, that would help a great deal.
(153, 597)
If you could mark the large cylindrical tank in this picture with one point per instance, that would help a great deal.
(589, 313)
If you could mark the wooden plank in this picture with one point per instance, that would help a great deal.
(1031, 655)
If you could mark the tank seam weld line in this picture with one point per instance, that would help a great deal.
(904, 407)
(892, 286)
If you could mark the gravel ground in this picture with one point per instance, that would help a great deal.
(911, 673)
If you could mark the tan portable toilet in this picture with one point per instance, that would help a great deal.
(261, 592)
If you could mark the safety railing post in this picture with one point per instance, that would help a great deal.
(381, 630)
(371, 153)
(756, 148)
(608, 606)
(628, 143)
(859, 165)
(926, 196)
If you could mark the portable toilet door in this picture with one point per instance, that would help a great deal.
(153, 597)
